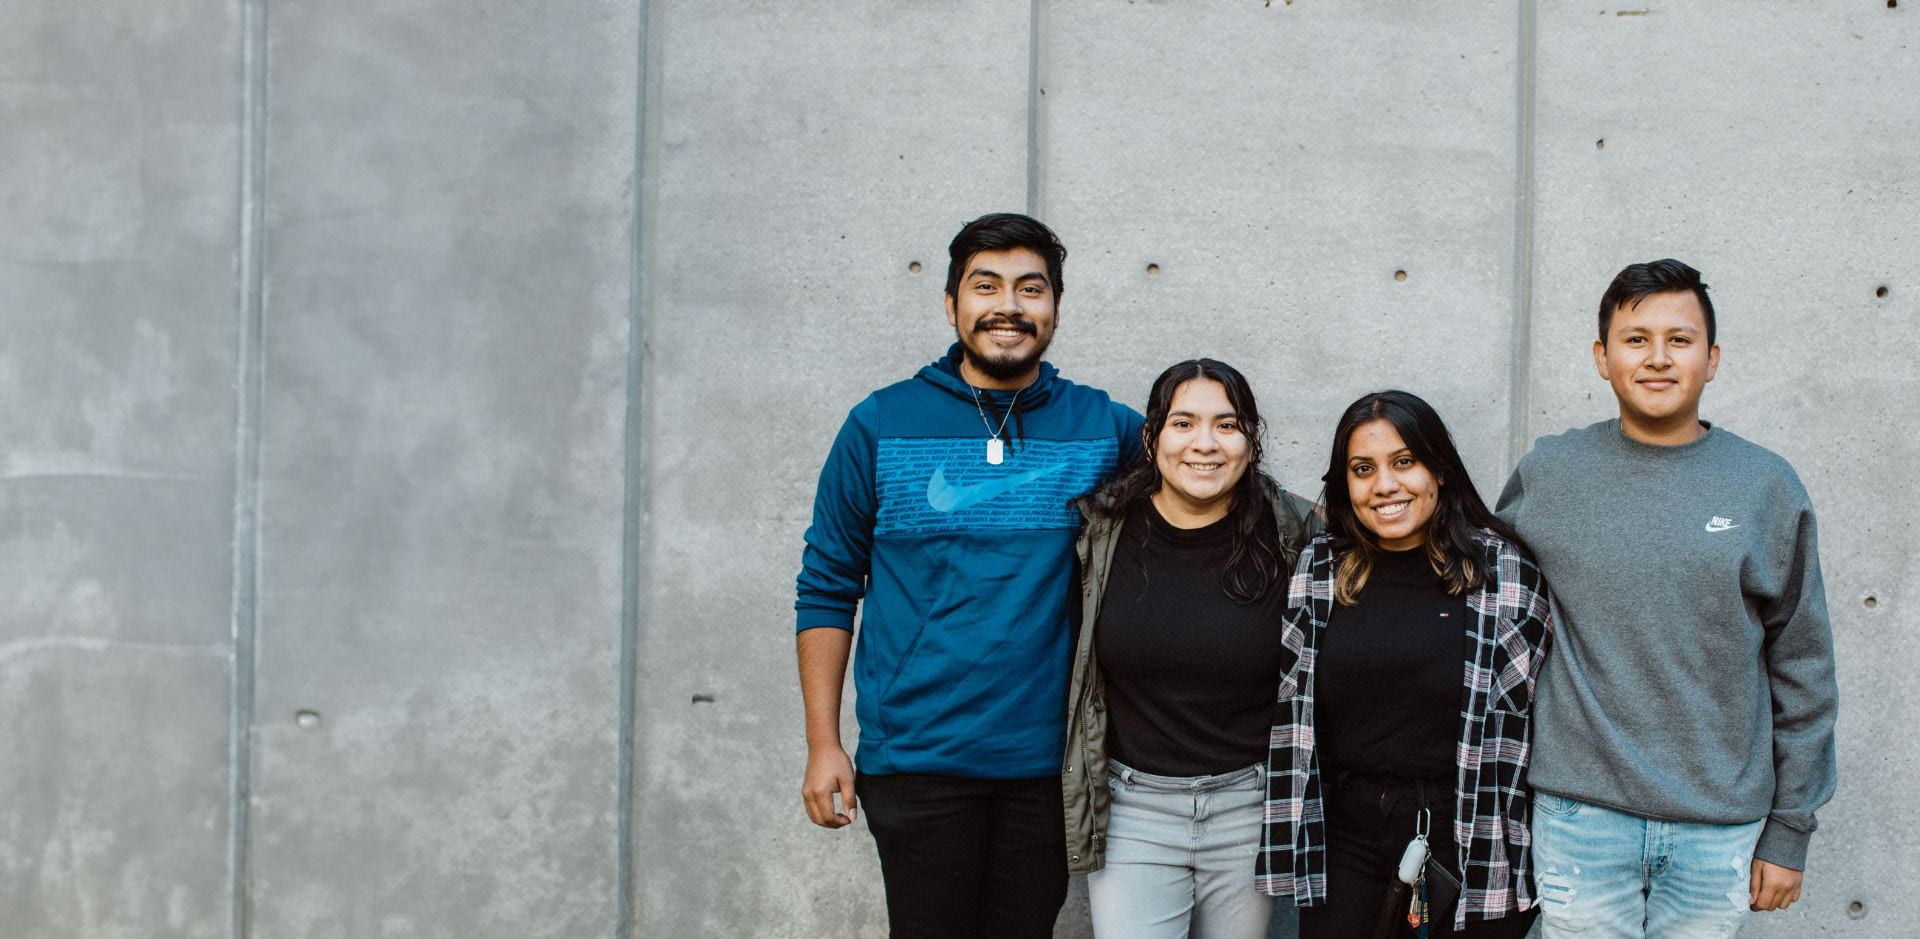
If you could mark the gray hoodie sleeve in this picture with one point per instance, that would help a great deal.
(1800, 675)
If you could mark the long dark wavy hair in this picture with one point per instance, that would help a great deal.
(1458, 512)
(1254, 559)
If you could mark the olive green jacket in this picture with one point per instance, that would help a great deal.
(1083, 773)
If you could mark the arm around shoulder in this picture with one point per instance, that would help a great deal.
(1508, 505)
(1127, 424)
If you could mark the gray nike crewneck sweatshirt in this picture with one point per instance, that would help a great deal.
(1691, 674)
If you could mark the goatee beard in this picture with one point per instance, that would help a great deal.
(1006, 369)
(1002, 370)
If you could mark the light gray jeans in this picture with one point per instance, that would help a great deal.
(1180, 857)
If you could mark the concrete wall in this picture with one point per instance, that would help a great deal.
(118, 197)
(412, 410)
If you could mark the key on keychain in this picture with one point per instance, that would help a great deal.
(1413, 869)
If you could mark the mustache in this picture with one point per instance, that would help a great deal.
(1003, 323)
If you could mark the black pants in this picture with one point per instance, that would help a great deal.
(968, 857)
(1369, 822)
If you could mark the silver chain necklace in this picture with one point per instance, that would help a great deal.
(996, 449)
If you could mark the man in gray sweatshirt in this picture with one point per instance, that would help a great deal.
(1684, 721)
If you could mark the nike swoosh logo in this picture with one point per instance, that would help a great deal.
(1712, 527)
(947, 497)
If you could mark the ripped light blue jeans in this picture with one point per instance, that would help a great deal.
(1608, 873)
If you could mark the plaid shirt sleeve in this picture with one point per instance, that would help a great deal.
(1293, 835)
(1515, 625)
(1511, 635)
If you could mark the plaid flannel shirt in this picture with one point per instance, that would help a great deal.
(1510, 637)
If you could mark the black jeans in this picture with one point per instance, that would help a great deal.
(1369, 822)
(968, 857)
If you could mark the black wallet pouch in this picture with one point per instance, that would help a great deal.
(1443, 890)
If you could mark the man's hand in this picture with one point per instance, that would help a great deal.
(830, 773)
(823, 670)
(1772, 887)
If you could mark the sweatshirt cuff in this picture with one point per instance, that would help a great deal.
(813, 619)
(1784, 846)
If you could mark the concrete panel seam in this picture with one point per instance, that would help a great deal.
(248, 392)
(1519, 379)
(631, 524)
(1036, 100)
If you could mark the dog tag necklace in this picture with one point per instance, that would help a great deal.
(996, 449)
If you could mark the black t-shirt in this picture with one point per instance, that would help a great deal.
(1388, 682)
(1190, 674)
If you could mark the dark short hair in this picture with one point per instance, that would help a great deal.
(1256, 561)
(1004, 231)
(1458, 513)
(1636, 281)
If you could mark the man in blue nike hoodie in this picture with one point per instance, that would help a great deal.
(942, 511)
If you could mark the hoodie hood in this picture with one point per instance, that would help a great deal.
(1006, 409)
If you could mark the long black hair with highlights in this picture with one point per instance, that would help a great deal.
(1255, 564)
(1458, 513)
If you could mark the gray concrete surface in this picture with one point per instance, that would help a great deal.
(562, 306)
(117, 298)
(441, 472)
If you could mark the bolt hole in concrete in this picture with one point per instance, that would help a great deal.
(1871, 602)
(307, 719)
(914, 266)
(1153, 270)
(1856, 909)
(1880, 291)
(1400, 277)
(1600, 144)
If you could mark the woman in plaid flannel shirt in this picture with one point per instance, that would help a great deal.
(1423, 693)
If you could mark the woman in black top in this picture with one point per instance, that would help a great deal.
(1184, 558)
(1419, 627)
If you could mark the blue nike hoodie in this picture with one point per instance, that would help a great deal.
(965, 567)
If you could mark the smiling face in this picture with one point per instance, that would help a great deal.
(1657, 358)
(1393, 493)
(1201, 453)
(1004, 312)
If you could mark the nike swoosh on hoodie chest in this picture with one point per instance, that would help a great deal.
(945, 484)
